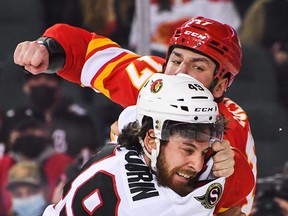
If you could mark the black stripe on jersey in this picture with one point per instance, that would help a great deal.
(106, 151)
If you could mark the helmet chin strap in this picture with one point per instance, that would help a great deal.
(154, 152)
(213, 84)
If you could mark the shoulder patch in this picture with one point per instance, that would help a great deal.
(212, 196)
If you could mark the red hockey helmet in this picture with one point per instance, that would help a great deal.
(213, 39)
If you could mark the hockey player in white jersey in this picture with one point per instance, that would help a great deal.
(161, 166)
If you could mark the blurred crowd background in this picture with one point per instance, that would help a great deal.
(76, 121)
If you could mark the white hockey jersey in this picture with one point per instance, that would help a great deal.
(116, 181)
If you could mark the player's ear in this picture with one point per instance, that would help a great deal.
(149, 140)
(220, 87)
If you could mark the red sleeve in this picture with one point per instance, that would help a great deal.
(100, 63)
(123, 83)
(240, 137)
(117, 73)
(75, 42)
(237, 186)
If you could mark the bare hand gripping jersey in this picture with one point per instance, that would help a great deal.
(120, 74)
(118, 182)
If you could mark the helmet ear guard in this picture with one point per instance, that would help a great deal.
(154, 152)
(213, 39)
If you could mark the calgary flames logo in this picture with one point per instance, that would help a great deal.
(156, 85)
(212, 196)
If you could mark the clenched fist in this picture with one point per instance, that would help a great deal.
(34, 57)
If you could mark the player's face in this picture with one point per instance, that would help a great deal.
(198, 66)
(179, 162)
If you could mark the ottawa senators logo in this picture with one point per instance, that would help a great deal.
(212, 196)
(156, 85)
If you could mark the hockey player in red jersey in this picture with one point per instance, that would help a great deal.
(157, 168)
(203, 48)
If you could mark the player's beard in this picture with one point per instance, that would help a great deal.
(165, 177)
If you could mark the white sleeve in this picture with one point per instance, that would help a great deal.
(49, 211)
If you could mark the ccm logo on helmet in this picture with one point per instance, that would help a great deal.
(204, 109)
(195, 34)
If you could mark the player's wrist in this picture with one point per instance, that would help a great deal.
(56, 52)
